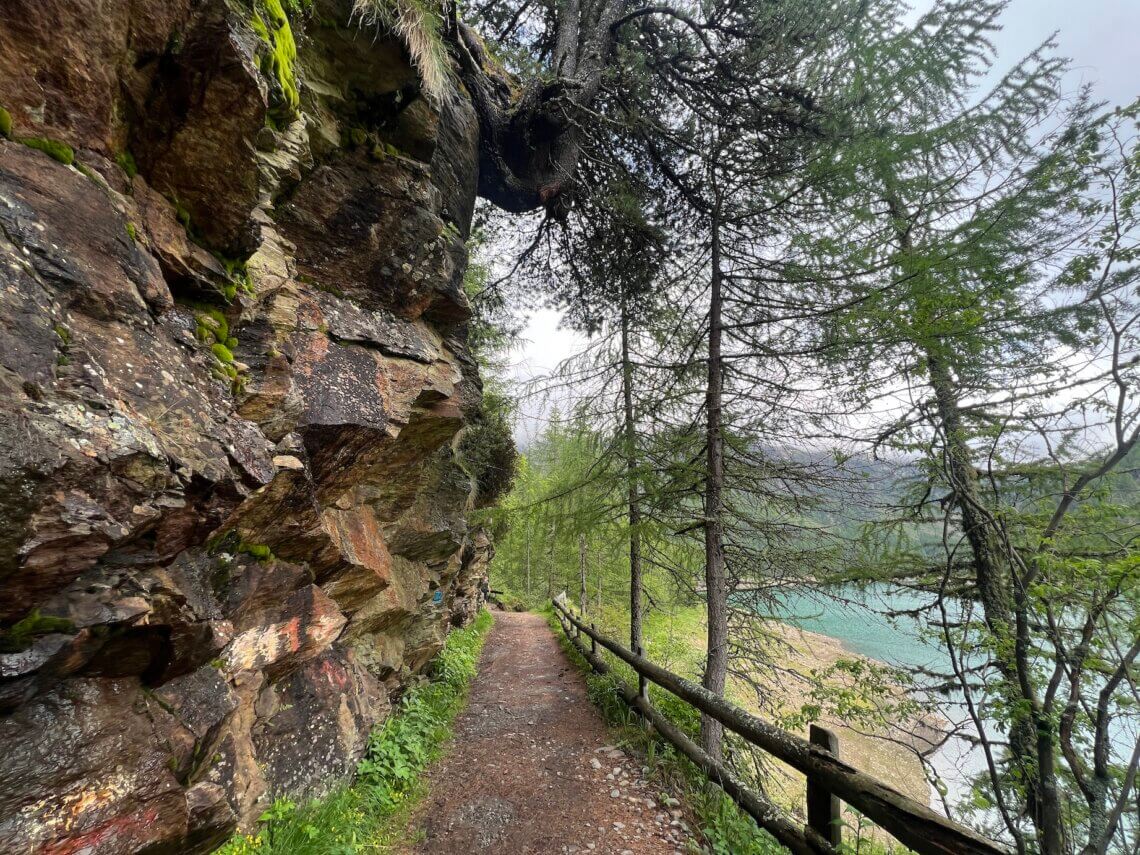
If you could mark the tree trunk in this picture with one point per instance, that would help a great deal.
(528, 593)
(530, 135)
(601, 575)
(583, 600)
(1031, 734)
(716, 584)
(550, 563)
(635, 607)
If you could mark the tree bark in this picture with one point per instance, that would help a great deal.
(583, 600)
(716, 583)
(1031, 734)
(635, 583)
(528, 558)
(530, 132)
(550, 563)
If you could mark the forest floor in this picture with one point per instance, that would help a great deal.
(532, 768)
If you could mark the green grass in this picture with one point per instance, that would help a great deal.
(372, 814)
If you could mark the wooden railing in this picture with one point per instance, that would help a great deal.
(829, 778)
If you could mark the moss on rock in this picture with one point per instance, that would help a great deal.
(279, 60)
(5, 123)
(127, 163)
(54, 149)
(258, 550)
(21, 634)
(223, 353)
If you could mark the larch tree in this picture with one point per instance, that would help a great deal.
(939, 288)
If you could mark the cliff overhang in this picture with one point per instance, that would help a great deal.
(235, 374)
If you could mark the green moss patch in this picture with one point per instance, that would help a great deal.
(240, 280)
(127, 163)
(213, 329)
(279, 59)
(54, 149)
(5, 123)
(22, 634)
(258, 550)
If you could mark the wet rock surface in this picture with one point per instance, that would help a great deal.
(233, 382)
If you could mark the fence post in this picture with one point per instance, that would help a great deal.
(822, 806)
(593, 641)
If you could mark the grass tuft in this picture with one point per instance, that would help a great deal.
(419, 25)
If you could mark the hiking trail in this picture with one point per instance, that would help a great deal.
(533, 769)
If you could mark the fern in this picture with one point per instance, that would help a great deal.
(419, 25)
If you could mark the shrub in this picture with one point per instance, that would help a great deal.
(488, 449)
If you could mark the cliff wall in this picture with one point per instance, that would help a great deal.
(234, 377)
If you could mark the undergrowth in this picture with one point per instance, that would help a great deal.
(724, 828)
(372, 814)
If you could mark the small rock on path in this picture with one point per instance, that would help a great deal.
(531, 770)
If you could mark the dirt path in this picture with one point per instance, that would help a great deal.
(531, 770)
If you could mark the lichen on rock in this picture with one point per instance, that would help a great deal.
(229, 476)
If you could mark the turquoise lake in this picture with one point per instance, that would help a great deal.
(861, 625)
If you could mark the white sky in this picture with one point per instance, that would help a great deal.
(1101, 37)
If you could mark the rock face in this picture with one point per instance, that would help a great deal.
(233, 379)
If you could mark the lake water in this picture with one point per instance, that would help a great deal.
(855, 616)
(859, 618)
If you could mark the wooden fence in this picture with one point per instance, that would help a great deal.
(829, 779)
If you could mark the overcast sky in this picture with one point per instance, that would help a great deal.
(1101, 37)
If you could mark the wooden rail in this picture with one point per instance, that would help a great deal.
(829, 778)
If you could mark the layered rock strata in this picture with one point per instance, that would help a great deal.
(234, 376)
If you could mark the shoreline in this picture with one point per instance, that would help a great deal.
(887, 751)
(785, 685)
